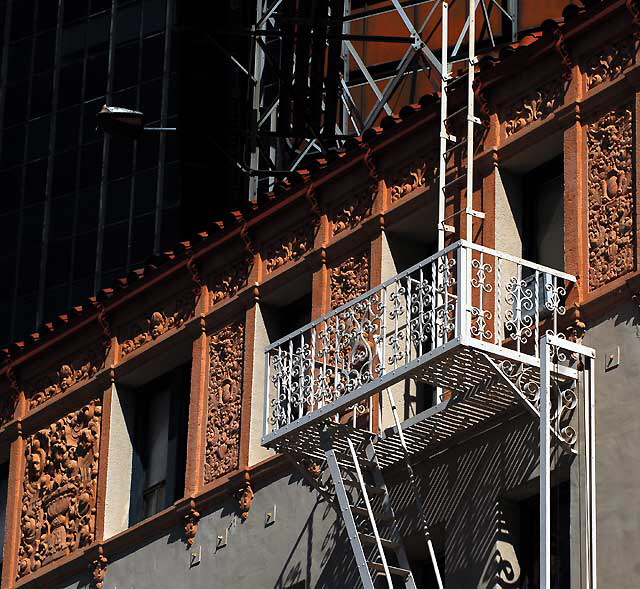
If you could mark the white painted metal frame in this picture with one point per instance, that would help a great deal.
(555, 350)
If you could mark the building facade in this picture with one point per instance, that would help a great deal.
(131, 432)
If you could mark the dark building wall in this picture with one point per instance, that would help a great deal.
(77, 208)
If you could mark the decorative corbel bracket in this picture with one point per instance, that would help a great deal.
(98, 569)
(194, 273)
(103, 320)
(244, 496)
(480, 91)
(562, 47)
(370, 162)
(310, 195)
(191, 520)
(247, 240)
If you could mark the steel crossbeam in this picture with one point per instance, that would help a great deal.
(282, 83)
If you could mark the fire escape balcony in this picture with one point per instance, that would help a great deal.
(467, 320)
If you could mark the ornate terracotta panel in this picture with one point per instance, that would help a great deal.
(417, 174)
(224, 401)
(349, 279)
(610, 62)
(534, 106)
(59, 489)
(352, 211)
(291, 246)
(611, 196)
(227, 281)
(75, 369)
(156, 322)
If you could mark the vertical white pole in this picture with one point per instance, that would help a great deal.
(592, 471)
(256, 73)
(443, 127)
(545, 465)
(470, 118)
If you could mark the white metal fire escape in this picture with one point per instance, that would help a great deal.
(479, 325)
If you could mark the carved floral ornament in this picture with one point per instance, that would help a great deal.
(352, 210)
(349, 279)
(158, 322)
(226, 282)
(610, 62)
(611, 196)
(74, 370)
(224, 401)
(417, 174)
(291, 246)
(59, 489)
(534, 106)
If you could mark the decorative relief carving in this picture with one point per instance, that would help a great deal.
(352, 210)
(74, 370)
(156, 323)
(417, 174)
(534, 106)
(244, 496)
(610, 62)
(224, 401)
(611, 196)
(291, 246)
(228, 281)
(349, 279)
(99, 570)
(59, 489)
(191, 521)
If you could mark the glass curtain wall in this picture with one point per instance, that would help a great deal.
(78, 208)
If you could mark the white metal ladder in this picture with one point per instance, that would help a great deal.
(450, 144)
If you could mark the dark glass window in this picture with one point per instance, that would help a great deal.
(126, 67)
(45, 52)
(84, 262)
(13, 145)
(159, 443)
(98, 34)
(88, 208)
(9, 231)
(38, 145)
(67, 123)
(121, 156)
(70, 84)
(47, 14)
(28, 280)
(114, 249)
(75, 9)
(64, 173)
(35, 183)
(7, 268)
(58, 262)
(41, 94)
(145, 192)
(142, 234)
(118, 200)
(19, 60)
(91, 164)
(152, 57)
(96, 76)
(16, 104)
(62, 217)
(22, 18)
(11, 182)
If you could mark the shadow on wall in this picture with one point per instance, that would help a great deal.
(462, 491)
(338, 569)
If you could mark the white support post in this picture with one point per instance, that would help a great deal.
(443, 128)
(545, 464)
(590, 446)
(470, 119)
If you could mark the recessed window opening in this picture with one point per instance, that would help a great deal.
(287, 310)
(529, 539)
(160, 416)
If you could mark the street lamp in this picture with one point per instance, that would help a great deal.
(124, 122)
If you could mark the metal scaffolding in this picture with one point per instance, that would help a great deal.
(306, 62)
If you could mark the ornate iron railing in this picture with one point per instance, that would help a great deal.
(464, 295)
